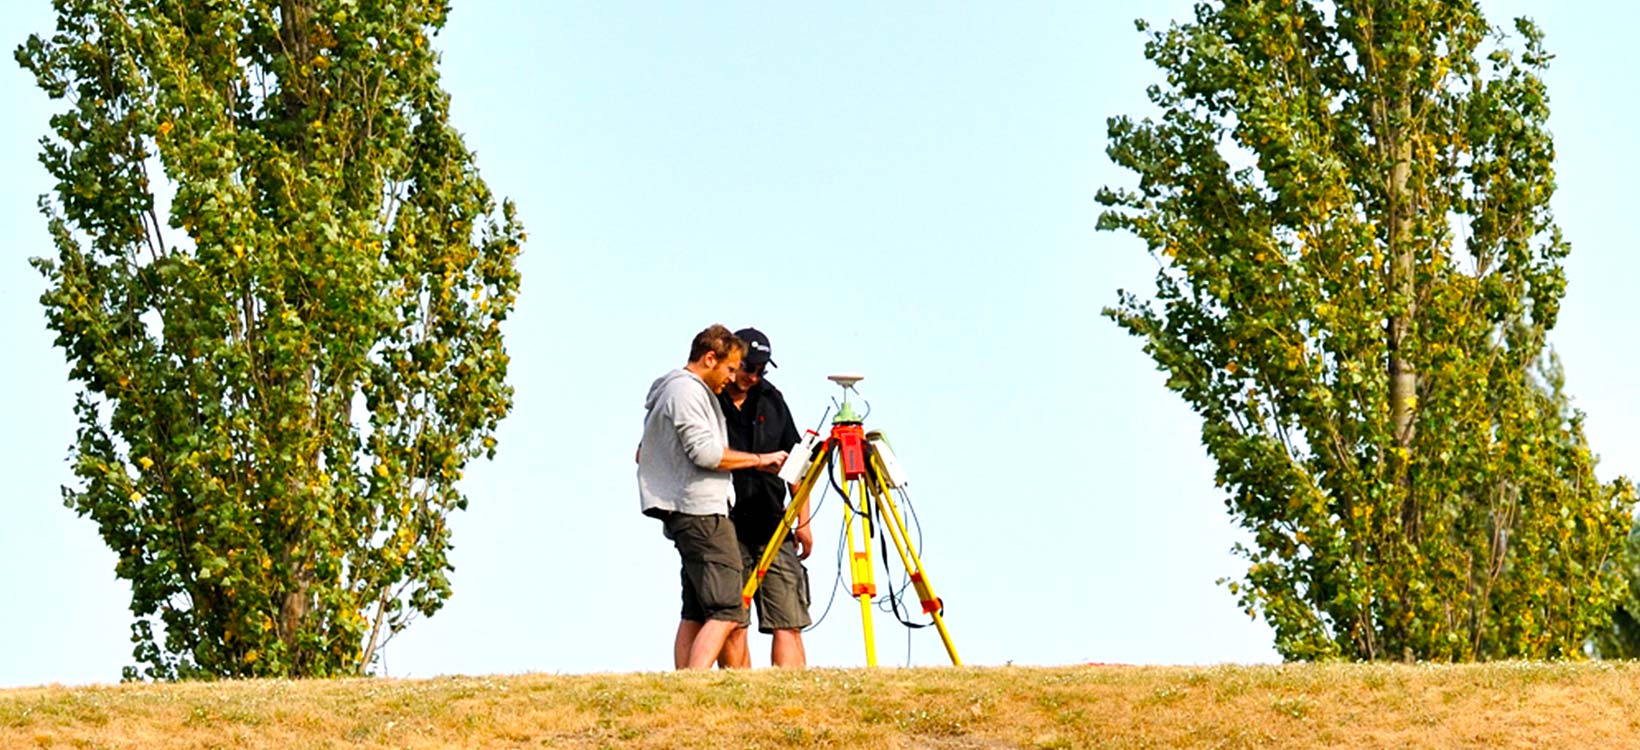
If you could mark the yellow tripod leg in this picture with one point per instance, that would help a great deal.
(908, 554)
(804, 487)
(860, 567)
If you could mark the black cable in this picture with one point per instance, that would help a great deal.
(911, 510)
(814, 510)
(832, 477)
(905, 498)
(894, 596)
(865, 517)
(837, 581)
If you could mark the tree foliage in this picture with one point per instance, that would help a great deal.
(284, 370)
(1349, 203)
(1622, 639)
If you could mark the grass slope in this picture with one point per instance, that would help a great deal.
(1295, 706)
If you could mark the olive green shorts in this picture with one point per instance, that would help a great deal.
(783, 597)
(711, 571)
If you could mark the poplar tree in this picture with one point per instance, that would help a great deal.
(278, 281)
(1349, 203)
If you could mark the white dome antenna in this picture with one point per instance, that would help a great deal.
(846, 379)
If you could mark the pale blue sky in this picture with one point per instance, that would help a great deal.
(905, 190)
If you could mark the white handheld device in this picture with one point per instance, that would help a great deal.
(797, 460)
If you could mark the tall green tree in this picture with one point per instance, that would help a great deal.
(285, 370)
(1622, 639)
(1349, 204)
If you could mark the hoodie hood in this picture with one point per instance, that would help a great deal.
(661, 382)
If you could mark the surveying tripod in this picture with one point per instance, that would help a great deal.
(868, 472)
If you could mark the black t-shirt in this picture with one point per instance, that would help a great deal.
(762, 424)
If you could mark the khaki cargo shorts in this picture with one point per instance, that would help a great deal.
(783, 597)
(711, 571)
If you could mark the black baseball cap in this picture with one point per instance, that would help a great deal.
(758, 350)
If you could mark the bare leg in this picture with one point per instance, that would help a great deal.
(680, 645)
(709, 643)
(736, 654)
(788, 649)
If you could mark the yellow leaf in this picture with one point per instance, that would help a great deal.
(165, 128)
(145, 462)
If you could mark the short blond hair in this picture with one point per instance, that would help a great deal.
(716, 339)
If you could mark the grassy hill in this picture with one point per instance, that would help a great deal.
(1298, 706)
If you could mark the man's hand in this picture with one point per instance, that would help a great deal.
(805, 540)
(770, 462)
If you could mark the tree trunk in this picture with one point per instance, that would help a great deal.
(295, 22)
(293, 612)
(1403, 379)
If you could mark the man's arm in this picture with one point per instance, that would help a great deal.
(691, 415)
(733, 459)
(695, 422)
(803, 535)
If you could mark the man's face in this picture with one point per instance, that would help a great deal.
(746, 376)
(721, 370)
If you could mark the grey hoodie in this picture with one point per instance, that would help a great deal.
(684, 436)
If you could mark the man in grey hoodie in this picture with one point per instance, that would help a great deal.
(683, 479)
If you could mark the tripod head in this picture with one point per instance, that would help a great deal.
(845, 413)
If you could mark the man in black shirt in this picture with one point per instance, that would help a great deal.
(759, 420)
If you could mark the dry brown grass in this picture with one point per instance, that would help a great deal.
(1298, 706)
